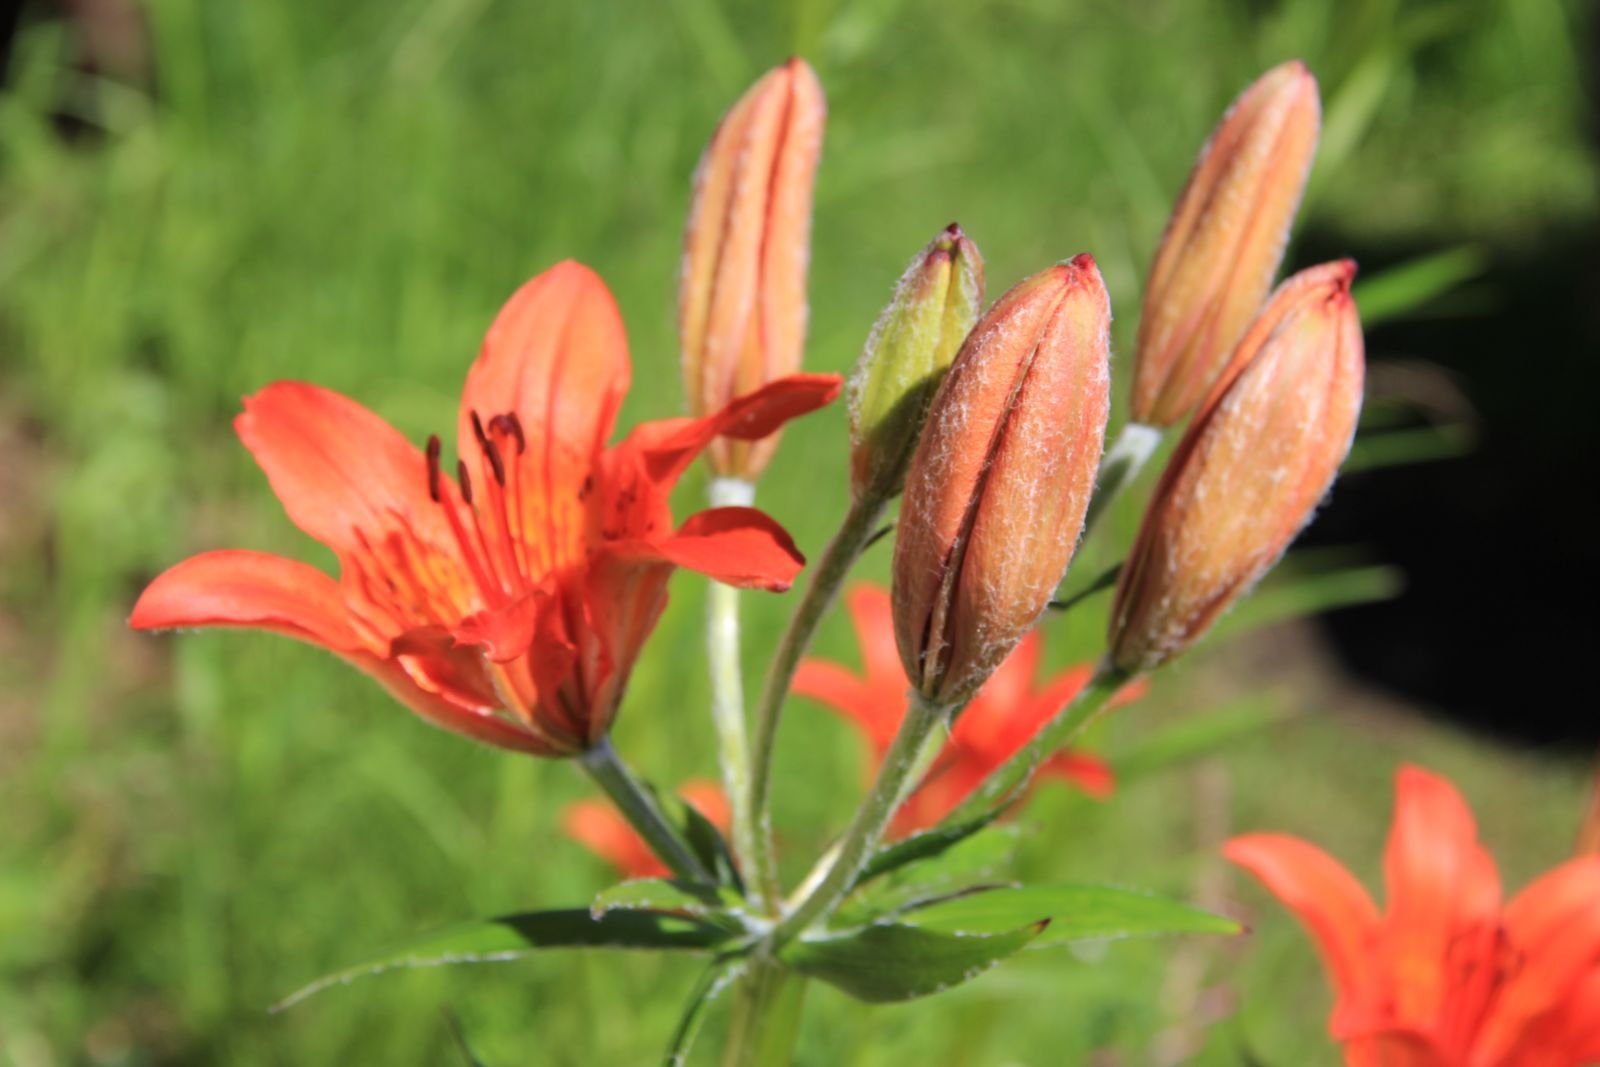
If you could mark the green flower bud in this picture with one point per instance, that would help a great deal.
(912, 345)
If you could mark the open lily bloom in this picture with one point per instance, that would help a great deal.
(596, 825)
(997, 723)
(510, 602)
(1450, 976)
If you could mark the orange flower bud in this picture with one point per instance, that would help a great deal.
(998, 485)
(912, 344)
(742, 291)
(1259, 455)
(1224, 242)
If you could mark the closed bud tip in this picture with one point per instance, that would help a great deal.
(1261, 452)
(905, 358)
(1000, 479)
(1224, 242)
(742, 288)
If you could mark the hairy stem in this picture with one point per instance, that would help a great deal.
(1013, 775)
(727, 693)
(639, 806)
(895, 778)
(765, 1020)
(827, 575)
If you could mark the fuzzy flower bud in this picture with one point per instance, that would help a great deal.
(1261, 452)
(998, 485)
(742, 289)
(1224, 242)
(911, 346)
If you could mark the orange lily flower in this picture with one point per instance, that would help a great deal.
(997, 723)
(509, 603)
(598, 827)
(1448, 977)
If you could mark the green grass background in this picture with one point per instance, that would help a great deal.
(192, 826)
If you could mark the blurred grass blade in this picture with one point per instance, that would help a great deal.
(1075, 913)
(1421, 444)
(1201, 734)
(712, 981)
(512, 937)
(1310, 594)
(458, 1035)
(1401, 290)
(892, 961)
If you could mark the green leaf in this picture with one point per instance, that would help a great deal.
(709, 846)
(712, 981)
(512, 937)
(893, 961)
(668, 895)
(1075, 912)
(921, 846)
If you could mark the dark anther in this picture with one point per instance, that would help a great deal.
(466, 483)
(433, 466)
(486, 443)
(508, 423)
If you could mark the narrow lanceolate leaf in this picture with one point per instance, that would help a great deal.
(668, 895)
(1075, 912)
(922, 846)
(702, 835)
(893, 961)
(512, 937)
(1196, 734)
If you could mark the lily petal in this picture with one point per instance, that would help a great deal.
(1554, 927)
(254, 589)
(852, 697)
(556, 356)
(670, 445)
(872, 618)
(738, 546)
(1440, 884)
(339, 469)
(1089, 773)
(1326, 898)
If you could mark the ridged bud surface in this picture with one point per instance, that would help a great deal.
(742, 290)
(911, 346)
(998, 485)
(1224, 242)
(1259, 455)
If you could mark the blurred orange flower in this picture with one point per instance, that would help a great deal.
(509, 603)
(598, 827)
(997, 723)
(1449, 977)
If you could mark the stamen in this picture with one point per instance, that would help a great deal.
(433, 466)
(510, 424)
(466, 483)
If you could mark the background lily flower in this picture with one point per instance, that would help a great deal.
(596, 825)
(997, 723)
(510, 602)
(1448, 977)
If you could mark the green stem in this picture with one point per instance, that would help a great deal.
(765, 1021)
(636, 803)
(823, 585)
(1014, 775)
(895, 778)
(727, 692)
(1121, 464)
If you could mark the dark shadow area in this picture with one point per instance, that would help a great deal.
(1499, 547)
